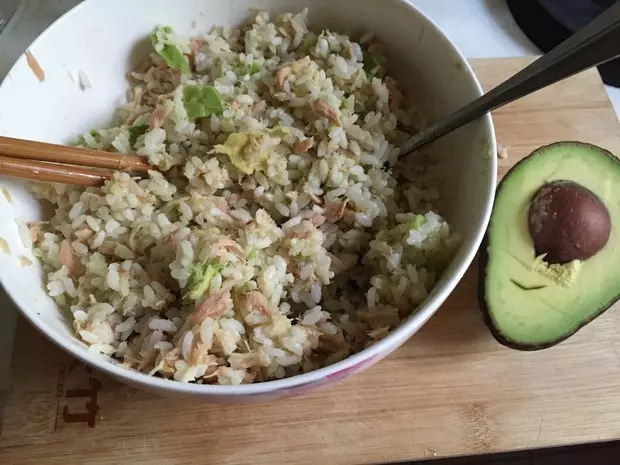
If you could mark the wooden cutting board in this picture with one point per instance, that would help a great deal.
(451, 390)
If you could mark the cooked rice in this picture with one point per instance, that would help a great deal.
(237, 266)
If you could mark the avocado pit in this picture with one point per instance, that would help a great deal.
(567, 222)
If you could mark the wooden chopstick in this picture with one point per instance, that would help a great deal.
(42, 161)
(43, 151)
(52, 172)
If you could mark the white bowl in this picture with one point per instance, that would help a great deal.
(99, 38)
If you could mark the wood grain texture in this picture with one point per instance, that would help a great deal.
(451, 390)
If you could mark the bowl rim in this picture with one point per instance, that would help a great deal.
(370, 354)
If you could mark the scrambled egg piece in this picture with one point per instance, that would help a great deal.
(281, 324)
(249, 151)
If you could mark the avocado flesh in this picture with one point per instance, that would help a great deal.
(525, 309)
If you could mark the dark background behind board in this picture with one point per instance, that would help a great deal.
(604, 453)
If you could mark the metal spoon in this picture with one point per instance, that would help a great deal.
(594, 44)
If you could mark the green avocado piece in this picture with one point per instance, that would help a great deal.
(529, 304)
(136, 131)
(171, 54)
(201, 101)
(200, 279)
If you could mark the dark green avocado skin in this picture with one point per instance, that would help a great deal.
(484, 258)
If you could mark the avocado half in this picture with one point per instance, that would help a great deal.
(550, 259)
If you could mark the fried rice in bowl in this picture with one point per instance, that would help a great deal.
(279, 242)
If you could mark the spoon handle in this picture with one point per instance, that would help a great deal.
(594, 44)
